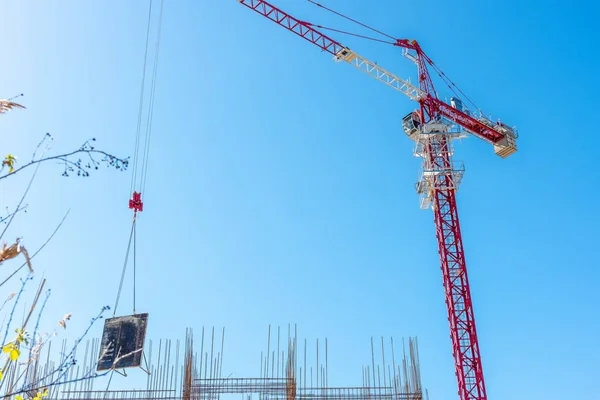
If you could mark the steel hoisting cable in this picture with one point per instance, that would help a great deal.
(140, 160)
(140, 110)
(124, 268)
(146, 151)
(351, 19)
(140, 167)
(134, 234)
(151, 105)
(351, 34)
(451, 85)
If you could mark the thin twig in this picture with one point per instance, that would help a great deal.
(63, 367)
(40, 249)
(35, 301)
(9, 215)
(28, 187)
(46, 137)
(21, 201)
(23, 283)
(9, 298)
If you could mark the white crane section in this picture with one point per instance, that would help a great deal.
(380, 74)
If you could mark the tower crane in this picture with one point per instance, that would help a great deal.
(432, 126)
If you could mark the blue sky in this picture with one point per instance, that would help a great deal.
(280, 184)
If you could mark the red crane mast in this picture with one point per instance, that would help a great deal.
(432, 127)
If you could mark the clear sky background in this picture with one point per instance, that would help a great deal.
(281, 186)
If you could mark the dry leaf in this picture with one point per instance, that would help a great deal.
(6, 105)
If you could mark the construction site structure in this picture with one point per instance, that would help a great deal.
(433, 127)
(194, 371)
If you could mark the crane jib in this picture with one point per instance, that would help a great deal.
(292, 24)
(502, 138)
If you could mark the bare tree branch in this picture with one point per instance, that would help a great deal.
(78, 165)
(38, 250)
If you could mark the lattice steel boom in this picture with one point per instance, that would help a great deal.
(340, 52)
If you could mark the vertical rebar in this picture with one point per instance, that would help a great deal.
(268, 350)
(159, 357)
(390, 375)
(383, 361)
(373, 361)
(326, 366)
(394, 366)
(212, 345)
(201, 352)
(222, 347)
(305, 362)
(168, 361)
(177, 359)
(205, 364)
(317, 368)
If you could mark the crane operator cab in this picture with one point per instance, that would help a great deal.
(457, 103)
(411, 124)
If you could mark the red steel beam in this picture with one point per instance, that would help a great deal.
(465, 345)
(292, 24)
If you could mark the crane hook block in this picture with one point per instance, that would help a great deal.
(135, 203)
